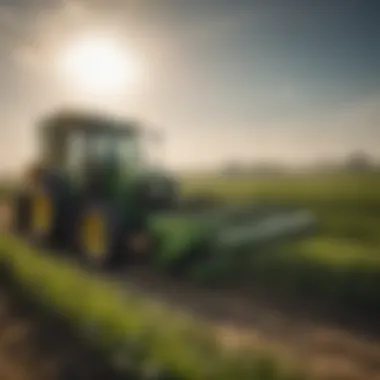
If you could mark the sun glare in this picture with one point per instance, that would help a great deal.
(98, 65)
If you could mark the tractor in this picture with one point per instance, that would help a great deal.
(94, 194)
(92, 189)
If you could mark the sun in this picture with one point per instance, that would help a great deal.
(98, 65)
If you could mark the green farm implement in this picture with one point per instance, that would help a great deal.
(93, 193)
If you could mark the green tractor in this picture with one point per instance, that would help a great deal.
(92, 190)
(94, 194)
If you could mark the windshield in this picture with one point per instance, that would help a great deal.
(122, 150)
(127, 149)
(107, 150)
(76, 151)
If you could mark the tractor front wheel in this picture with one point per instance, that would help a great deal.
(95, 238)
(42, 212)
(105, 241)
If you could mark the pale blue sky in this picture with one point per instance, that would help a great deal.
(284, 80)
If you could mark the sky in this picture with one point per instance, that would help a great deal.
(281, 80)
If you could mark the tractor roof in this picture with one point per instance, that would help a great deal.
(89, 122)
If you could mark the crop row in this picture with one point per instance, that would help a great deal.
(142, 339)
(337, 272)
(342, 262)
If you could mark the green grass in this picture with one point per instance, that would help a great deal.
(342, 262)
(135, 333)
(336, 270)
(348, 205)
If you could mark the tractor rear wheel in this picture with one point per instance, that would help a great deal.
(42, 212)
(43, 215)
(20, 217)
(33, 216)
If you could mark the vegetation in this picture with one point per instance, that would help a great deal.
(33, 346)
(342, 262)
(141, 338)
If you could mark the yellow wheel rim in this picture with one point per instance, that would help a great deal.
(94, 235)
(42, 213)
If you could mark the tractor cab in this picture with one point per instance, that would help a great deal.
(96, 153)
(104, 158)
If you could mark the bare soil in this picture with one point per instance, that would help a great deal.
(303, 339)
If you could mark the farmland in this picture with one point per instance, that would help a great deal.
(134, 329)
(339, 265)
(137, 337)
(33, 347)
(341, 262)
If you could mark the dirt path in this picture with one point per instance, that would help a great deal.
(322, 349)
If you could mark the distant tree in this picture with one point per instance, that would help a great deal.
(266, 169)
(359, 162)
(233, 168)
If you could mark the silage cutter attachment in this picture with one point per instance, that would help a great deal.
(210, 245)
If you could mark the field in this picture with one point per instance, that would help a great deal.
(341, 263)
(348, 205)
(33, 347)
(137, 332)
(137, 337)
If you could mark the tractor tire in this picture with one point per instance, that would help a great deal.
(43, 219)
(105, 241)
(49, 213)
(21, 214)
(97, 235)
